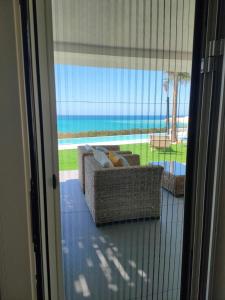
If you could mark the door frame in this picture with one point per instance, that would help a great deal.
(217, 211)
(202, 172)
(38, 65)
(43, 53)
(213, 230)
(36, 182)
(200, 109)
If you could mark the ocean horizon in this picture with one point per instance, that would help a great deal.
(84, 123)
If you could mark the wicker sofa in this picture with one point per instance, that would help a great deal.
(82, 153)
(123, 193)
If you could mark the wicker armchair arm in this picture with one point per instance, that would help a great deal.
(128, 175)
(133, 159)
(124, 152)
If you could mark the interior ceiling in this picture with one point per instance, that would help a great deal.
(149, 34)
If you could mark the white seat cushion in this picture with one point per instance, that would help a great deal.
(89, 148)
(102, 159)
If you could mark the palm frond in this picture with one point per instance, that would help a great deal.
(182, 76)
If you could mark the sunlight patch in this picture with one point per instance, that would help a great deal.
(117, 264)
(89, 262)
(113, 287)
(81, 286)
(102, 239)
(142, 273)
(104, 266)
(80, 245)
(132, 263)
(65, 250)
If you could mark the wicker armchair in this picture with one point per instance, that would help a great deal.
(123, 193)
(82, 153)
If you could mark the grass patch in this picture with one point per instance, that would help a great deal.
(68, 158)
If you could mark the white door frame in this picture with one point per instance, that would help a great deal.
(45, 110)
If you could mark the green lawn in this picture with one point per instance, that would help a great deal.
(68, 158)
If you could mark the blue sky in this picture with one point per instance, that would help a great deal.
(84, 90)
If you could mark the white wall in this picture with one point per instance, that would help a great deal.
(16, 256)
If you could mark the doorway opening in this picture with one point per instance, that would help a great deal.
(122, 78)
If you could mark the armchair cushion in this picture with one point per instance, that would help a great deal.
(102, 158)
(89, 148)
(118, 160)
(103, 149)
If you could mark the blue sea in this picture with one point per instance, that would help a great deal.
(97, 123)
(75, 124)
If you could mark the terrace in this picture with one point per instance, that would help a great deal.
(129, 259)
(125, 260)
